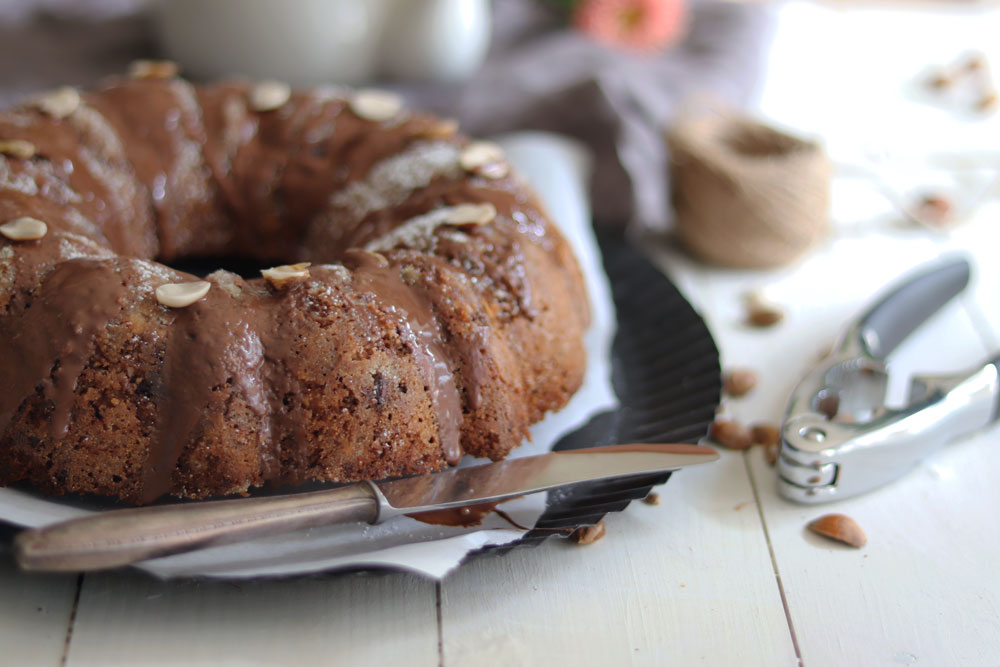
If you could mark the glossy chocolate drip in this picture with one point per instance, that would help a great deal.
(213, 345)
(463, 517)
(278, 332)
(159, 124)
(466, 517)
(475, 366)
(469, 342)
(421, 332)
(50, 343)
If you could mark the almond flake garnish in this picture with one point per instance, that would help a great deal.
(58, 103)
(470, 214)
(182, 295)
(269, 95)
(153, 69)
(24, 229)
(280, 276)
(760, 311)
(364, 256)
(376, 105)
(18, 148)
(442, 129)
(484, 158)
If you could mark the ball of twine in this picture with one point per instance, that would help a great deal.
(746, 195)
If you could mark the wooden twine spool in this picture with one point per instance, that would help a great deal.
(746, 195)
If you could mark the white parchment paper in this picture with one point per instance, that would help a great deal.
(559, 169)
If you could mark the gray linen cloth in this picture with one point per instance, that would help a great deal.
(539, 75)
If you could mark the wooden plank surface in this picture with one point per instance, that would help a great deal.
(129, 619)
(924, 588)
(688, 581)
(35, 614)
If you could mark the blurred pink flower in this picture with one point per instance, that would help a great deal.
(641, 25)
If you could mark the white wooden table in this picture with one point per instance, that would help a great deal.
(722, 571)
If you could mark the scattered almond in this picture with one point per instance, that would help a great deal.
(739, 381)
(974, 62)
(24, 150)
(765, 434)
(484, 158)
(763, 316)
(988, 102)
(376, 105)
(948, 76)
(58, 103)
(652, 498)
(730, 434)
(268, 95)
(588, 534)
(941, 80)
(153, 69)
(839, 527)
(287, 274)
(934, 210)
(24, 229)
(771, 452)
(471, 214)
(182, 295)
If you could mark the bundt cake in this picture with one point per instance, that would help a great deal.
(422, 305)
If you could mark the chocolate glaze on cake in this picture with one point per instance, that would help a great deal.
(442, 314)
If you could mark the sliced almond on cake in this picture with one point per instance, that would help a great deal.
(269, 95)
(182, 295)
(376, 105)
(24, 229)
(286, 274)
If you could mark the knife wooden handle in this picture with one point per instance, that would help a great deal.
(126, 536)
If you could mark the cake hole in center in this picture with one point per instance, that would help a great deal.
(245, 267)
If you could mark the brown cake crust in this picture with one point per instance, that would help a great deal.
(442, 313)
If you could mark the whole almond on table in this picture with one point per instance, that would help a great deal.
(988, 102)
(769, 436)
(765, 434)
(730, 434)
(936, 210)
(762, 316)
(771, 453)
(739, 381)
(588, 534)
(839, 527)
(760, 312)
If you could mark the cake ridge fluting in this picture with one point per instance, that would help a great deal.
(418, 306)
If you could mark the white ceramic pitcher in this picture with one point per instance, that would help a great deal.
(310, 42)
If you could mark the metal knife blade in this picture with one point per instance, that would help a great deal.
(531, 474)
(126, 536)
